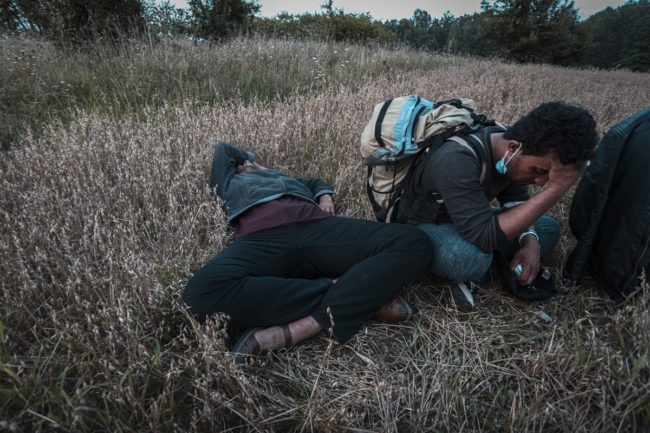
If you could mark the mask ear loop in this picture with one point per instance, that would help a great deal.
(514, 154)
(501, 165)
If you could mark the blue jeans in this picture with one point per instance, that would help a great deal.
(458, 260)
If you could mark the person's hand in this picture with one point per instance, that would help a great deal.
(529, 257)
(562, 176)
(325, 202)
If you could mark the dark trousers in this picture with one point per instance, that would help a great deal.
(280, 275)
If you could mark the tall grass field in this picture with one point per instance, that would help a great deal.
(106, 212)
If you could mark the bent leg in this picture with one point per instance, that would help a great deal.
(374, 261)
(257, 282)
(455, 258)
(548, 230)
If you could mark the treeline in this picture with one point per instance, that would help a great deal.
(540, 31)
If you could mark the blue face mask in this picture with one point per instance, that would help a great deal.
(502, 165)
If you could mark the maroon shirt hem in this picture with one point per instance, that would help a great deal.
(277, 213)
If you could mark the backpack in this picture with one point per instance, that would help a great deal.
(397, 133)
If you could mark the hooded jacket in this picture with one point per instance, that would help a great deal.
(242, 191)
(610, 212)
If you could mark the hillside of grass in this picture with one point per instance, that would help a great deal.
(106, 213)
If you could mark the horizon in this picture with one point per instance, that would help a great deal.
(383, 11)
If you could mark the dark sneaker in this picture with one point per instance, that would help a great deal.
(463, 295)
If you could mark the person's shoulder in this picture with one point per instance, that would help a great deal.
(452, 153)
(451, 161)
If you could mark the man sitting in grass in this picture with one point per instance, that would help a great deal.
(451, 188)
(276, 279)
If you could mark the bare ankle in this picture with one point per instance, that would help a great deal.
(276, 337)
(270, 338)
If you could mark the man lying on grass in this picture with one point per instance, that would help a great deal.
(276, 279)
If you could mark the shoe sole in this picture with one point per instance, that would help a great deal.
(463, 300)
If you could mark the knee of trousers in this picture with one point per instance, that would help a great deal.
(461, 264)
(191, 296)
(415, 241)
(201, 295)
(548, 230)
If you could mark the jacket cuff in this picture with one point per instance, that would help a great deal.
(323, 192)
(250, 156)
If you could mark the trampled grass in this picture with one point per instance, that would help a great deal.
(105, 217)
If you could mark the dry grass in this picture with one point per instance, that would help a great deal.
(104, 219)
(43, 82)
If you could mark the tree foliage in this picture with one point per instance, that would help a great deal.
(543, 31)
(333, 25)
(422, 31)
(74, 19)
(222, 18)
(466, 36)
(540, 31)
(167, 19)
(619, 37)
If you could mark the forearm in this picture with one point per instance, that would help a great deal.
(224, 163)
(516, 220)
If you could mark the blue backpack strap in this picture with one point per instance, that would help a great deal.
(403, 122)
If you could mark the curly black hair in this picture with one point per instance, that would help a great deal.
(567, 130)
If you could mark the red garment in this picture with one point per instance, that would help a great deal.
(276, 213)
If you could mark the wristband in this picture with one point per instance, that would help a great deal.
(526, 233)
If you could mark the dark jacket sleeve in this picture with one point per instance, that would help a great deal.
(317, 187)
(455, 174)
(224, 165)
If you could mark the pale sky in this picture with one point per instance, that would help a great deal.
(389, 9)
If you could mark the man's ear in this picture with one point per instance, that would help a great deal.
(513, 146)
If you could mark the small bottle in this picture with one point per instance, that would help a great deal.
(518, 269)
